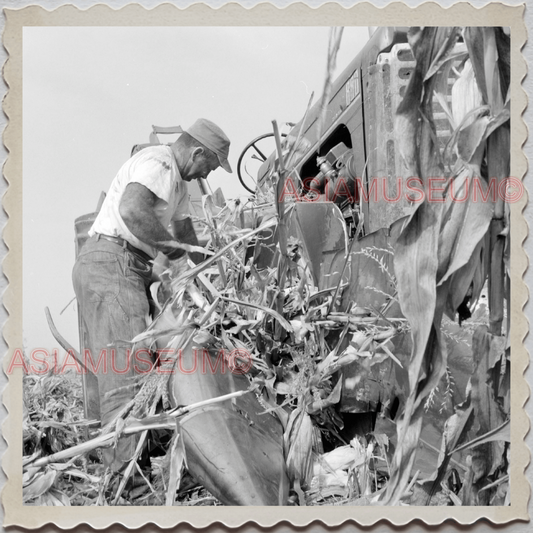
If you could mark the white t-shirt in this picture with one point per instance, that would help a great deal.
(154, 167)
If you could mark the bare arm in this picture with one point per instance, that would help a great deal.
(137, 211)
(184, 232)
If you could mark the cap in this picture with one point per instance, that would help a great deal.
(212, 137)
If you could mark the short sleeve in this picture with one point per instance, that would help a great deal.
(153, 170)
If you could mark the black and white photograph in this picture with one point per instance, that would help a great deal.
(269, 265)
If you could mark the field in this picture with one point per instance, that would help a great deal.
(388, 374)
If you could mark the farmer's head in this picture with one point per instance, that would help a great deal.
(201, 149)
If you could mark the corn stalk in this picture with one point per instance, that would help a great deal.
(440, 260)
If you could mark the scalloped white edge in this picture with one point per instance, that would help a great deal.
(395, 14)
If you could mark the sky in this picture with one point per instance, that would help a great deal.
(91, 93)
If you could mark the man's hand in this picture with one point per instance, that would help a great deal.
(178, 267)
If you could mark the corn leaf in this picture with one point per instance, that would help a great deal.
(40, 484)
(425, 251)
(455, 431)
(466, 95)
(284, 322)
(444, 53)
(177, 464)
(470, 138)
(489, 413)
(298, 439)
(415, 264)
(464, 225)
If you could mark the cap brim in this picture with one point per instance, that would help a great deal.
(224, 164)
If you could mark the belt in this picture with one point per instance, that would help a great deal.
(125, 244)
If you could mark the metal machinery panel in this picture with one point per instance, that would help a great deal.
(323, 233)
(233, 448)
(387, 81)
(369, 383)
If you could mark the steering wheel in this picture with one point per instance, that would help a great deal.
(255, 154)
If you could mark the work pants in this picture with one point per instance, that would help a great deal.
(111, 284)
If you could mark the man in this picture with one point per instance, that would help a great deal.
(113, 271)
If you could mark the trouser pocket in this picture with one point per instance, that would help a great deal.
(96, 277)
(139, 267)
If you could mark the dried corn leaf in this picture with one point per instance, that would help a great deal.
(474, 39)
(284, 323)
(177, 464)
(341, 458)
(332, 470)
(189, 248)
(40, 484)
(466, 96)
(489, 53)
(298, 438)
(52, 498)
(332, 399)
(188, 276)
